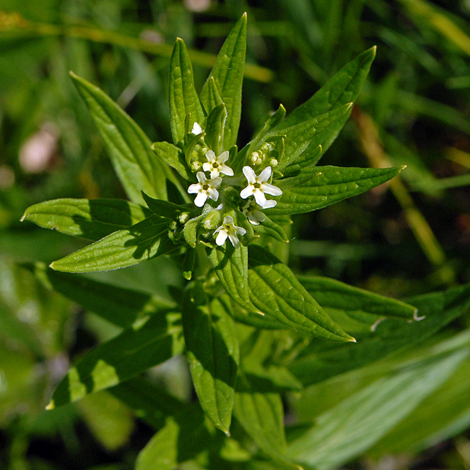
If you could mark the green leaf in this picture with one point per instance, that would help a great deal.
(344, 431)
(328, 185)
(164, 208)
(231, 267)
(185, 107)
(271, 229)
(127, 145)
(353, 305)
(153, 341)
(213, 99)
(343, 88)
(88, 218)
(121, 249)
(262, 417)
(215, 128)
(299, 136)
(173, 156)
(118, 305)
(213, 355)
(305, 163)
(228, 76)
(275, 291)
(390, 336)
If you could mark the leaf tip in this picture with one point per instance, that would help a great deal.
(352, 340)
(50, 406)
(25, 216)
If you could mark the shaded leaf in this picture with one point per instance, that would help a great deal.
(215, 128)
(155, 340)
(173, 156)
(213, 354)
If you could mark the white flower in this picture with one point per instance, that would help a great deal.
(253, 211)
(227, 229)
(196, 130)
(204, 189)
(217, 165)
(257, 186)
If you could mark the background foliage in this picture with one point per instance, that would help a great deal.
(408, 238)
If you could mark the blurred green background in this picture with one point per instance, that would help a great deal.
(406, 238)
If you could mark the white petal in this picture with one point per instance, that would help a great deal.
(226, 170)
(214, 173)
(201, 177)
(247, 192)
(233, 239)
(213, 194)
(260, 197)
(223, 157)
(265, 175)
(210, 155)
(215, 182)
(195, 188)
(221, 237)
(196, 129)
(249, 173)
(239, 230)
(200, 199)
(270, 189)
(269, 203)
(207, 166)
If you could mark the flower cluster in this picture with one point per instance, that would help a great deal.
(208, 188)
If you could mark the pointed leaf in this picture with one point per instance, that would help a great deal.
(118, 305)
(88, 218)
(121, 249)
(299, 136)
(212, 349)
(213, 96)
(136, 349)
(328, 185)
(343, 88)
(164, 208)
(127, 145)
(184, 101)
(390, 336)
(173, 156)
(228, 75)
(275, 291)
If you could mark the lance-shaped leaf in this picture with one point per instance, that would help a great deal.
(121, 249)
(343, 88)
(299, 136)
(88, 218)
(270, 228)
(213, 355)
(118, 305)
(228, 76)
(185, 107)
(213, 98)
(275, 291)
(136, 349)
(262, 417)
(231, 267)
(173, 156)
(127, 145)
(328, 185)
(352, 306)
(390, 336)
(164, 208)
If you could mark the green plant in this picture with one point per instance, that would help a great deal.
(250, 328)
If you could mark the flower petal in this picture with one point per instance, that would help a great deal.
(226, 170)
(259, 197)
(195, 188)
(200, 198)
(201, 177)
(264, 175)
(210, 155)
(247, 192)
(223, 157)
(221, 237)
(269, 203)
(270, 189)
(212, 193)
(233, 239)
(249, 173)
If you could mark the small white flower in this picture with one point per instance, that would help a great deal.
(257, 158)
(257, 186)
(253, 213)
(227, 229)
(204, 189)
(217, 165)
(196, 130)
